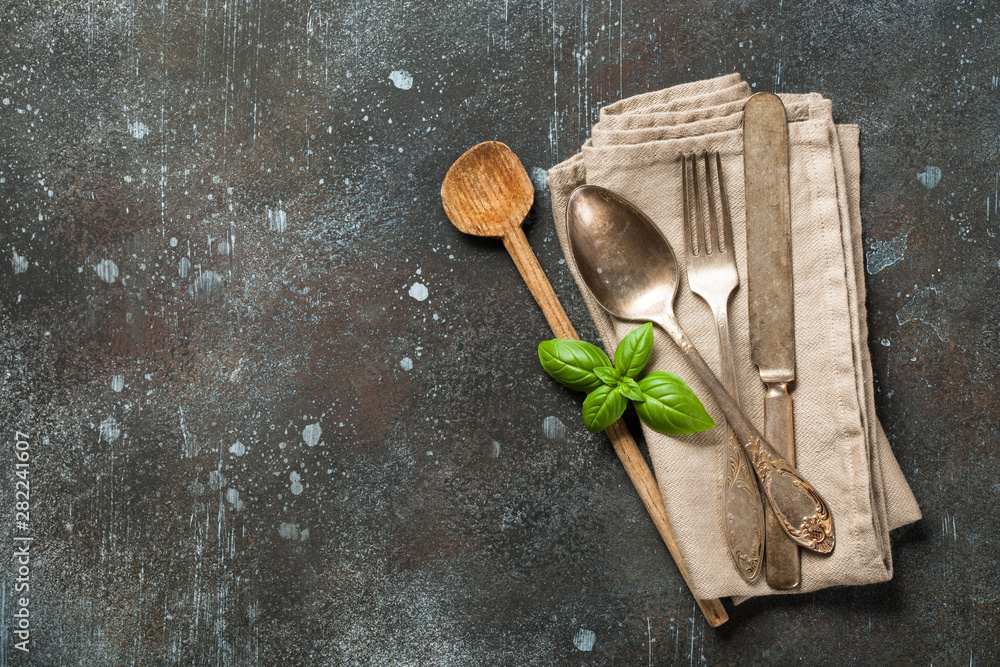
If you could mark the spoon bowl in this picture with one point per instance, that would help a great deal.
(630, 268)
(626, 262)
(487, 192)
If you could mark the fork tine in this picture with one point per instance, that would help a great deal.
(727, 223)
(699, 222)
(712, 223)
(688, 241)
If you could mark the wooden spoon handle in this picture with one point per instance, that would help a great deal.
(623, 442)
(539, 286)
(649, 492)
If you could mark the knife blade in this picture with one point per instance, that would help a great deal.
(769, 293)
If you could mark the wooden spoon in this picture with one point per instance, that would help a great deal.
(488, 193)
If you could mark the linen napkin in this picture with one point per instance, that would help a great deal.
(635, 150)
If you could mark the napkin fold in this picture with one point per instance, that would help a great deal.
(635, 150)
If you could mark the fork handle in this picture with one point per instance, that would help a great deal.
(721, 314)
(742, 510)
(802, 512)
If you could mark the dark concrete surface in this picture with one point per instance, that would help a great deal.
(253, 441)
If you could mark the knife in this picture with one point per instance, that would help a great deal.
(769, 289)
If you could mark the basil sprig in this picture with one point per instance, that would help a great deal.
(664, 402)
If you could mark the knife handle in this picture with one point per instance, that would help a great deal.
(781, 554)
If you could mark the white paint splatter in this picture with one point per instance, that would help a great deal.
(173, 241)
(107, 270)
(110, 430)
(238, 448)
(233, 498)
(209, 287)
(183, 267)
(401, 79)
(296, 486)
(540, 179)
(553, 428)
(20, 263)
(929, 177)
(237, 372)
(311, 434)
(291, 531)
(418, 291)
(882, 254)
(117, 383)
(138, 129)
(926, 306)
(406, 363)
(277, 219)
(584, 640)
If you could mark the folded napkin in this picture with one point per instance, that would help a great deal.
(635, 150)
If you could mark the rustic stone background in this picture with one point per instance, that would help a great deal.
(282, 413)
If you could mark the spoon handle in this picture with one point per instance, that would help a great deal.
(803, 514)
(539, 286)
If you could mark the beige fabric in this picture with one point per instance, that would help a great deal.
(840, 445)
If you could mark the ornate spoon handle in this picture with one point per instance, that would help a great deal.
(802, 512)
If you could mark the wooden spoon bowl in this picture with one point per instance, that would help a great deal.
(487, 192)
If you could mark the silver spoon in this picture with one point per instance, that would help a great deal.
(629, 267)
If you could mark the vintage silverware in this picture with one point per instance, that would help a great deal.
(486, 192)
(711, 272)
(769, 288)
(630, 269)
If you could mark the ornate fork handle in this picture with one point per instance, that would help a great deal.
(740, 496)
(712, 275)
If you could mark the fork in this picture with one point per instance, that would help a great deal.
(712, 275)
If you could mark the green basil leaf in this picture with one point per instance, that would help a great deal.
(572, 362)
(630, 389)
(608, 375)
(671, 406)
(603, 407)
(632, 354)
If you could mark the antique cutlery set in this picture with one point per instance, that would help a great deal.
(630, 269)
